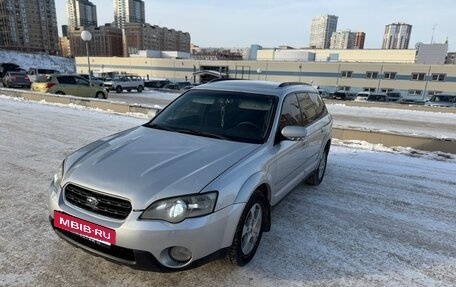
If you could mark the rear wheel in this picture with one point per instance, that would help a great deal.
(100, 95)
(59, 93)
(118, 89)
(317, 176)
(140, 89)
(249, 230)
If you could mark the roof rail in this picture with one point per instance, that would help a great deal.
(286, 84)
(222, 79)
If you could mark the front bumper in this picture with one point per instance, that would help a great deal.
(144, 244)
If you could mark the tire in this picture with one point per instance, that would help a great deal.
(140, 89)
(100, 95)
(317, 176)
(128, 90)
(250, 227)
(59, 93)
(118, 89)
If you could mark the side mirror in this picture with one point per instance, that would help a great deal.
(294, 133)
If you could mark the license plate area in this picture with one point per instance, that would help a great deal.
(84, 228)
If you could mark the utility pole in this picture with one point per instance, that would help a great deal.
(433, 31)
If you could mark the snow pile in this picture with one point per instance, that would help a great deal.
(26, 61)
(437, 155)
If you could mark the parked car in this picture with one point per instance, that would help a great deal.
(377, 98)
(171, 86)
(393, 96)
(69, 85)
(362, 96)
(125, 82)
(16, 79)
(40, 74)
(442, 100)
(341, 95)
(323, 94)
(198, 180)
(98, 81)
(157, 84)
(8, 67)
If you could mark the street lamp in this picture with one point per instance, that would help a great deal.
(86, 37)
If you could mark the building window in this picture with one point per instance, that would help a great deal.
(438, 77)
(346, 74)
(389, 75)
(431, 93)
(344, 88)
(371, 75)
(418, 76)
(369, 90)
(384, 91)
(414, 92)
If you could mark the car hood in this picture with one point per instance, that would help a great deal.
(145, 164)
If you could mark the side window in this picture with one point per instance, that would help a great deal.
(308, 108)
(67, 80)
(291, 114)
(319, 104)
(81, 81)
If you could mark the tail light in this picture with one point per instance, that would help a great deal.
(12, 78)
(49, 85)
(26, 78)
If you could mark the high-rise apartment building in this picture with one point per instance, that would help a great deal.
(342, 40)
(321, 31)
(81, 13)
(106, 42)
(397, 36)
(360, 37)
(128, 11)
(152, 37)
(29, 26)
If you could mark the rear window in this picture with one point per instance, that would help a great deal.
(47, 71)
(69, 80)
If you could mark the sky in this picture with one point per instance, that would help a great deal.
(271, 23)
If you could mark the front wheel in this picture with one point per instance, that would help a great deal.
(249, 230)
(118, 89)
(317, 176)
(100, 95)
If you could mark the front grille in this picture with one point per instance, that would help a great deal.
(106, 205)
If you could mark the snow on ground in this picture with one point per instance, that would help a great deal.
(28, 60)
(424, 123)
(378, 219)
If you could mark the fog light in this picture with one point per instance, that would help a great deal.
(180, 254)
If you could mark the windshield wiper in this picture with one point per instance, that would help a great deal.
(160, 127)
(201, 133)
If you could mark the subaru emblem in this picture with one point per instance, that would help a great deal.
(92, 201)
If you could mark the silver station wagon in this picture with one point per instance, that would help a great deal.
(198, 181)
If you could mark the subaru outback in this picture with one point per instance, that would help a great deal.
(198, 180)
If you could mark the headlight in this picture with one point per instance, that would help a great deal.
(58, 177)
(176, 209)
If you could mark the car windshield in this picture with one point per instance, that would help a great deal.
(225, 115)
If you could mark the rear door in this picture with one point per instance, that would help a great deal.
(67, 84)
(315, 119)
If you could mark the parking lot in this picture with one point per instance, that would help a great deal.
(378, 219)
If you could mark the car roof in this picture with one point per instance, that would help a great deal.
(257, 87)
